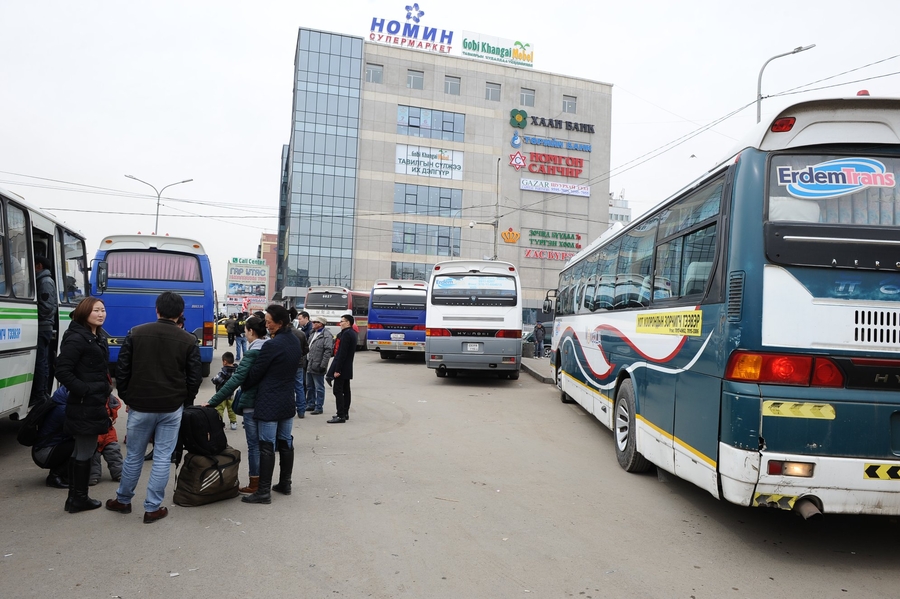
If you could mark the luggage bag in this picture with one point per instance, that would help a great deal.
(207, 479)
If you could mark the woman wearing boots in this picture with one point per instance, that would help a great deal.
(256, 332)
(82, 367)
(273, 373)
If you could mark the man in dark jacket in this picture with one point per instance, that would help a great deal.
(321, 348)
(48, 305)
(342, 369)
(158, 373)
(299, 388)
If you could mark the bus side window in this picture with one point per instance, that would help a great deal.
(21, 264)
(699, 252)
(3, 290)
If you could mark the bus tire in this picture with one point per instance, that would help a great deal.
(513, 376)
(386, 355)
(563, 396)
(625, 430)
(205, 368)
(440, 372)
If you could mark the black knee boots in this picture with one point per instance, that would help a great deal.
(266, 469)
(79, 475)
(286, 465)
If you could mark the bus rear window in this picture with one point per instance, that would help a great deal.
(398, 300)
(327, 301)
(834, 190)
(474, 290)
(153, 266)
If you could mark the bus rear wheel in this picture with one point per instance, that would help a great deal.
(513, 376)
(625, 431)
(563, 396)
(387, 355)
(440, 372)
(205, 368)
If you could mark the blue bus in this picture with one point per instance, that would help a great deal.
(132, 270)
(744, 335)
(397, 318)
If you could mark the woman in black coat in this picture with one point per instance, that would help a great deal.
(82, 367)
(273, 373)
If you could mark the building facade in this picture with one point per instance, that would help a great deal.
(268, 252)
(401, 158)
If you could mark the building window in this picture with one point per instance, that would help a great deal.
(451, 85)
(411, 270)
(418, 238)
(492, 92)
(374, 73)
(569, 104)
(433, 124)
(431, 201)
(526, 97)
(415, 79)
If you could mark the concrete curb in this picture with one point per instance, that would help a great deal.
(537, 369)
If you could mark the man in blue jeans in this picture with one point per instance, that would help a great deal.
(321, 348)
(240, 340)
(158, 373)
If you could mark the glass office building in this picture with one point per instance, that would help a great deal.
(400, 158)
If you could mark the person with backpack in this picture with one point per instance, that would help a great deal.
(82, 368)
(53, 446)
(157, 375)
(275, 372)
(245, 401)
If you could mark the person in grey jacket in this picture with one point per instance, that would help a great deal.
(321, 348)
(48, 305)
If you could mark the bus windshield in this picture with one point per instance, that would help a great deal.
(153, 266)
(834, 190)
(474, 290)
(326, 301)
(395, 299)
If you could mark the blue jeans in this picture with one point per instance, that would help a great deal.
(538, 349)
(252, 431)
(316, 383)
(271, 430)
(300, 391)
(162, 428)
(240, 346)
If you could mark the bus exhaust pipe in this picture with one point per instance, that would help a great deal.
(807, 509)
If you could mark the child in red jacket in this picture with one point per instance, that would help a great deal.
(108, 447)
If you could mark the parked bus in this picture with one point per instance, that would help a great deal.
(397, 318)
(26, 232)
(132, 270)
(474, 318)
(333, 302)
(744, 335)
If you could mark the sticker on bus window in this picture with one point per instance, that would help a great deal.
(834, 178)
(688, 323)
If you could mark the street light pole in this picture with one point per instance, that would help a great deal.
(759, 80)
(497, 214)
(158, 196)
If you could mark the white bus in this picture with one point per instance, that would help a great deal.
(26, 232)
(473, 318)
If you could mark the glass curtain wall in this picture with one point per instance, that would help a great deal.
(323, 160)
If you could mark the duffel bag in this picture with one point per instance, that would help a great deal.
(207, 479)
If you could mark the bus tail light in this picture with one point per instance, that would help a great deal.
(419, 327)
(509, 334)
(437, 333)
(783, 125)
(208, 333)
(800, 469)
(374, 327)
(784, 369)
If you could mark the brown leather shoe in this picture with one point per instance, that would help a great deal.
(113, 505)
(151, 517)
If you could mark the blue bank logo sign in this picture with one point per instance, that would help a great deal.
(834, 178)
(411, 33)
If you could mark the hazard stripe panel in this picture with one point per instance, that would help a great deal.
(881, 472)
(790, 409)
(784, 502)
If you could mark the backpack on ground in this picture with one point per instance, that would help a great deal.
(31, 424)
(207, 479)
(202, 432)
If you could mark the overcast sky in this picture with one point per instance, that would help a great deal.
(91, 91)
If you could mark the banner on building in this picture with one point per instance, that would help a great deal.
(245, 283)
(496, 49)
(429, 162)
(568, 189)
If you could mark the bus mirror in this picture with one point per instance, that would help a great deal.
(547, 308)
(102, 275)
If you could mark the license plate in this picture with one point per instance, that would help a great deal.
(398, 336)
(472, 347)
